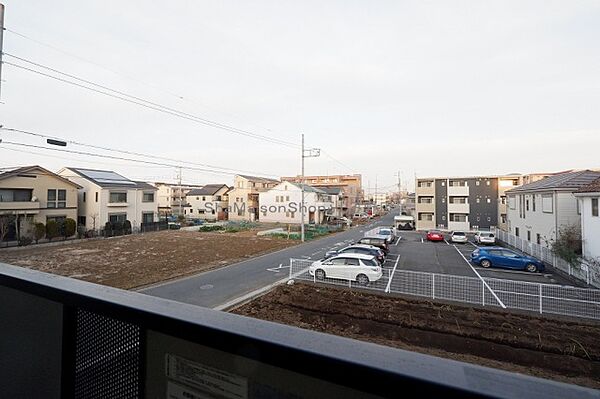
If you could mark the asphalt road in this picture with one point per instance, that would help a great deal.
(217, 287)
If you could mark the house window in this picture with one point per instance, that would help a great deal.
(117, 198)
(538, 238)
(57, 198)
(117, 217)
(197, 198)
(148, 197)
(594, 206)
(503, 199)
(191, 210)
(96, 196)
(503, 218)
(528, 235)
(84, 196)
(203, 198)
(533, 203)
(516, 231)
(425, 200)
(81, 220)
(287, 198)
(458, 217)
(15, 195)
(477, 183)
(292, 214)
(147, 217)
(58, 219)
(547, 203)
(526, 204)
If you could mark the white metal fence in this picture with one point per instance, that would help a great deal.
(588, 273)
(535, 297)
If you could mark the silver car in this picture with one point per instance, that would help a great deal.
(458, 237)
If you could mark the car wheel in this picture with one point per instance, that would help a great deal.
(531, 268)
(320, 274)
(362, 279)
(486, 263)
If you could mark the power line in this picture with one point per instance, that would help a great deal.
(130, 152)
(120, 95)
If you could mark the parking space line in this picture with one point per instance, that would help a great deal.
(446, 241)
(472, 244)
(387, 289)
(481, 278)
(517, 272)
(421, 240)
(397, 241)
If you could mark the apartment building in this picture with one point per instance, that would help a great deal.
(210, 202)
(336, 196)
(244, 196)
(282, 204)
(465, 203)
(351, 186)
(172, 197)
(106, 196)
(537, 211)
(589, 198)
(32, 194)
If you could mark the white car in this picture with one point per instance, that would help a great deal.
(458, 237)
(354, 267)
(485, 237)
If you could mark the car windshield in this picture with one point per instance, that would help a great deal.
(458, 233)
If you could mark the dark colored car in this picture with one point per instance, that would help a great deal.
(360, 249)
(435, 235)
(505, 258)
(376, 242)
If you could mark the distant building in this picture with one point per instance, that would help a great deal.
(282, 204)
(351, 186)
(106, 196)
(244, 196)
(537, 211)
(210, 202)
(336, 195)
(589, 197)
(172, 197)
(32, 194)
(465, 203)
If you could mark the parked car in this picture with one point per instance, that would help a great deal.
(435, 235)
(354, 267)
(389, 233)
(334, 220)
(379, 242)
(505, 258)
(174, 226)
(485, 238)
(459, 237)
(359, 249)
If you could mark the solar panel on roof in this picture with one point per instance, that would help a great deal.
(108, 177)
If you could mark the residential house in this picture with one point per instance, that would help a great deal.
(32, 194)
(210, 202)
(589, 197)
(351, 186)
(465, 203)
(336, 195)
(172, 198)
(244, 196)
(537, 211)
(282, 204)
(107, 196)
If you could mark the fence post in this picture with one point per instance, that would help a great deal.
(433, 285)
(540, 298)
(290, 269)
(483, 293)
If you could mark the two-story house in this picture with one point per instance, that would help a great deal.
(32, 194)
(244, 196)
(537, 211)
(337, 197)
(106, 196)
(282, 204)
(209, 202)
(172, 198)
(589, 207)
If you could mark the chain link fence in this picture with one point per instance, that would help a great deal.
(509, 294)
(583, 271)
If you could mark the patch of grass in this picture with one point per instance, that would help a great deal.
(210, 228)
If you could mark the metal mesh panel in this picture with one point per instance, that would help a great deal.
(514, 294)
(107, 357)
(412, 283)
(459, 288)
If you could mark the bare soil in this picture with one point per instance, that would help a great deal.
(142, 259)
(566, 350)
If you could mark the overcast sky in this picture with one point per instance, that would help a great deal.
(426, 88)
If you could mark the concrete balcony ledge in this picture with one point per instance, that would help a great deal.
(458, 208)
(117, 204)
(20, 206)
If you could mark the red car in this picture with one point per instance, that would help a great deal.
(435, 235)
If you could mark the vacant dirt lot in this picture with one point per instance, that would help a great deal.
(142, 259)
(556, 349)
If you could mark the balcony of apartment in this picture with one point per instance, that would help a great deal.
(502, 208)
(456, 207)
(458, 191)
(424, 189)
(428, 207)
(11, 206)
(459, 226)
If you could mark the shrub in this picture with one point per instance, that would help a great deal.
(39, 231)
(52, 230)
(567, 244)
(126, 227)
(24, 241)
(69, 227)
(210, 228)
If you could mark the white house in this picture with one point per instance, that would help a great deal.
(172, 197)
(537, 211)
(209, 202)
(244, 203)
(338, 204)
(107, 196)
(282, 204)
(588, 197)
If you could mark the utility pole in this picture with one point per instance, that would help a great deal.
(180, 193)
(1, 43)
(310, 153)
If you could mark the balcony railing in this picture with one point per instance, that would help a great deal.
(65, 338)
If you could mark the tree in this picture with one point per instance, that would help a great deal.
(69, 227)
(5, 223)
(567, 244)
(52, 230)
(39, 231)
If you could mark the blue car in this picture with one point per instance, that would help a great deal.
(505, 258)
